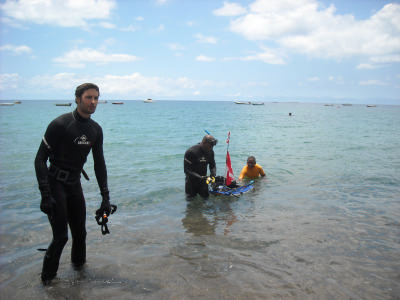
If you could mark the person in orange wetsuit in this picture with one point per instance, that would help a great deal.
(252, 170)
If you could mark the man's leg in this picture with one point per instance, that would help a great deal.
(77, 224)
(190, 189)
(58, 222)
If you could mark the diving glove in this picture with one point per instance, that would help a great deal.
(47, 205)
(210, 179)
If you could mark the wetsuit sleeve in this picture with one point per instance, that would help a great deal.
(261, 170)
(188, 165)
(41, 165)
(51, 137)
(213, 167)
(99, 163)
(242, 173)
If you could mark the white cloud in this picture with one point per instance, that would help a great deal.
(230, 10)
(23, 49)
(65, 13)
(372, 82)
(107, 25)
(161, 27)
(9, 81)
(77, 58)
(205, 58)
(205, 39)
(303, 26)
(130, 28)
(134, 86)
(175, 47)
(366, 66)
(249, 84)
(269, 56)
(66, 82)
(313, 79)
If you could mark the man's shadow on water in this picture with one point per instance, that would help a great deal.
(203, 216)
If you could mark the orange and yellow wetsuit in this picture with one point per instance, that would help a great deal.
(254, 172)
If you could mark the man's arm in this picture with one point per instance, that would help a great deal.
(242, 173)
(100, 168)
(213, 167)
(41, 164)
(262, 173)
(44, 152)
(188, 166)
(52, 136)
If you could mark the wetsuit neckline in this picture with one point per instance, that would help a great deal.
(78, 117)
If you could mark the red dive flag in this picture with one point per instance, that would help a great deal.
(229, 172)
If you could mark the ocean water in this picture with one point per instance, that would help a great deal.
(323, 224)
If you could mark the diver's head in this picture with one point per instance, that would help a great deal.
(208, 142)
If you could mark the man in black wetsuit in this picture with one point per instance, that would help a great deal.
(195, 164)
(67, 143)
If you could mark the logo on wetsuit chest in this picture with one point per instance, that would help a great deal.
(202, 160)
(82, 141)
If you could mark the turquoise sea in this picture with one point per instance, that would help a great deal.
(323, 224)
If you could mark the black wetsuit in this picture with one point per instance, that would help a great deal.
(67, 143)
(195, 168)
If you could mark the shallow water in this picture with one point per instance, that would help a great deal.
(323, 224)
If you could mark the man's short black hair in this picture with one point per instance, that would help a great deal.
(86, 86)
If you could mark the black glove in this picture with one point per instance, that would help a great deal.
(47, 205)
(105, 203)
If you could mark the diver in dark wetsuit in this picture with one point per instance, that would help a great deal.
(67, 143)
(195, 164)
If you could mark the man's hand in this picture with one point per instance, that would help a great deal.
(105, 203)
(47, 205)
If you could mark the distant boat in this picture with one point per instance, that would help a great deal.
(347, 104)
(242, 102)
(371, 105)
(328, 105)
(149, 100)
(6, 104)
(104, 101)
(257, 103)
(17, 102)
(63, 104)
(117, 102)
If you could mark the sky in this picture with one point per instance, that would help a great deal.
(340, 51)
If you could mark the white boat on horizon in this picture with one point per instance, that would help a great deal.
(242, 102)
(149, 100)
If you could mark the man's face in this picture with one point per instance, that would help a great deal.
(208, 147)
(251, 163)
(88, 102)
